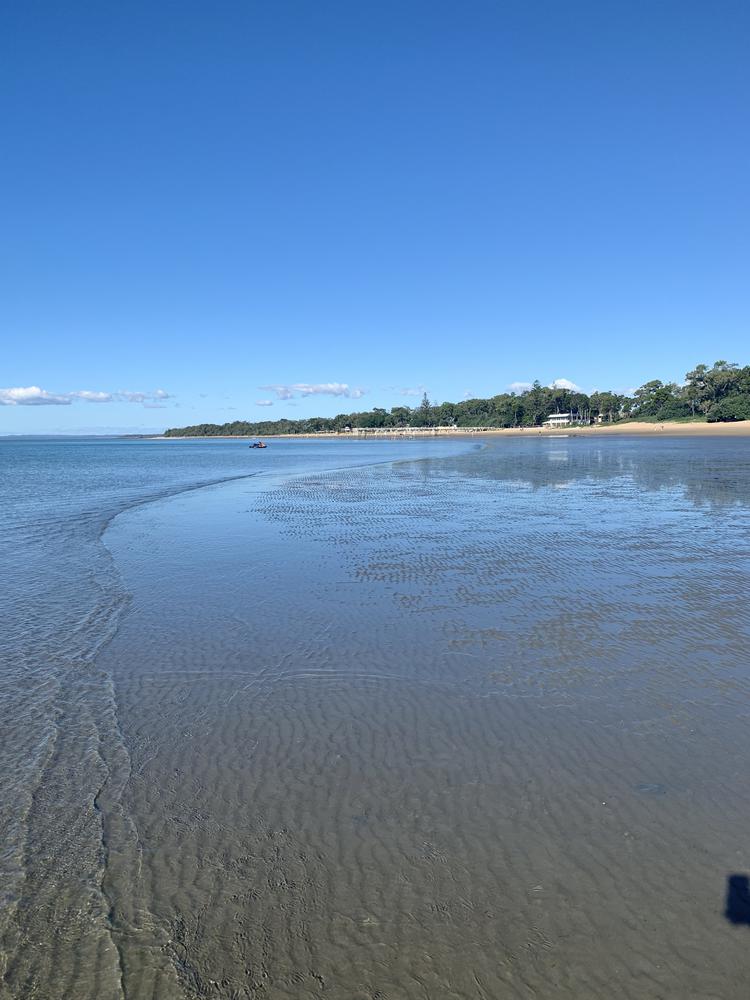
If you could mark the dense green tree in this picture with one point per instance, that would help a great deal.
(705, 386)
(607, 405)
(654, 395)
(400, 416)
(696, 388)
(445, 415)
(730, 408)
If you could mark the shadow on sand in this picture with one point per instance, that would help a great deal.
(738, 899)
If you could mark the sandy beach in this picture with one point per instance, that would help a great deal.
(636, 427)
(738, 429)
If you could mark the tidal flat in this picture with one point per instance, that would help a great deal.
(434, 720)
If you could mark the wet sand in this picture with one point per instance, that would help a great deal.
(473, 727)
(377, 760)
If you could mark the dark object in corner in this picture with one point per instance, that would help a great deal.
(738, 899)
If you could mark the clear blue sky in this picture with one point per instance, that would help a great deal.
(211, 198)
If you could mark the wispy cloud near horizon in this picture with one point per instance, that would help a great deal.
(297, 389)
(558, 383)
(142, 397)
(34, 395)
(92, 397)
(415, 390)
(565, 383)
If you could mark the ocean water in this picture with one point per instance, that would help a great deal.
(354, 720)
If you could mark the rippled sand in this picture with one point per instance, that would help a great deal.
(464, 728)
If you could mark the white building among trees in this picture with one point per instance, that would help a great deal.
(562, 420)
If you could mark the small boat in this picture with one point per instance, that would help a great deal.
(258, 444)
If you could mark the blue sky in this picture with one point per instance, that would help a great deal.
(363, 199)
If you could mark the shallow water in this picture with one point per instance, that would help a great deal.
(411, 719)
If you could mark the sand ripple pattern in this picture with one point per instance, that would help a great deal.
(465, 728)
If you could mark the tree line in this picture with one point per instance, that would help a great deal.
(718, 393)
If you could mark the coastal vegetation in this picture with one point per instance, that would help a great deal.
(718, 393)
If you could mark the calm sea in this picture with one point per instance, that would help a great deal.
(375, 719)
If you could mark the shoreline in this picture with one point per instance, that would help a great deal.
(635, 427)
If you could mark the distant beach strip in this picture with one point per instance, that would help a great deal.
(640, 427)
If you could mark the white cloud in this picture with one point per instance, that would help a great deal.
(468, 395)
(92, 397)
(264, 402)
(565, 383)
(142, 397)
(406, 390)
(151, 400)
(314, 389)
(32, 395)
(282, 391)
(558, 383)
